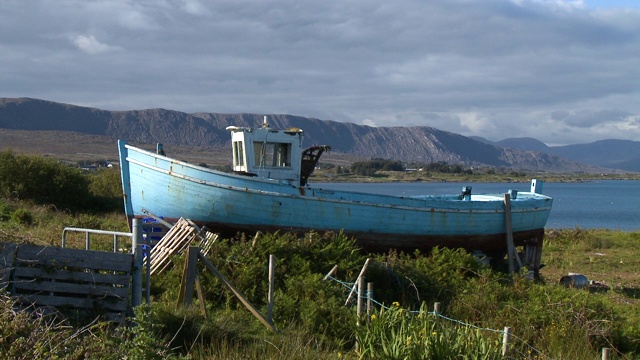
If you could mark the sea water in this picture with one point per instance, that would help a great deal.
(606, 204)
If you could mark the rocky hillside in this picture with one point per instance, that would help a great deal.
(423, 144)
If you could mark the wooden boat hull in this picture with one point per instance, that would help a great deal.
(229, 203)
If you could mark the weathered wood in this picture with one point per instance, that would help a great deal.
(75, 289)
(331, 272)
(91, 281)
(72, 258)
(200, 293)
(185, 296)
(353, 289)
(175, 241)
(236, 292)
(7, 253)
(52, 273)
(369, 300)
(207, 239)
(168, 246)
(509, 231)
(99, 305)
(270, 295)
(360, 301)
(506, 339)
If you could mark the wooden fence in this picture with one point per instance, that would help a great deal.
(91, 282)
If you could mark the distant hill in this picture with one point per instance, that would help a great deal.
(420, 144)
(524, 143)
(612, 153)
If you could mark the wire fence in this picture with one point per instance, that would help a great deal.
(367, 296)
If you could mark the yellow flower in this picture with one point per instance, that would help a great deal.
(409, 341)
(373, 317)
(396, 304)
(434, 333)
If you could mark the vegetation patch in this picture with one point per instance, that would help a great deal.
(547, 319)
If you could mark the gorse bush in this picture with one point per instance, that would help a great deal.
(47, 181)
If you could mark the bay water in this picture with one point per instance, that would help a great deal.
(605, 204)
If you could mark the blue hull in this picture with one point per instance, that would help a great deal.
(228, 202)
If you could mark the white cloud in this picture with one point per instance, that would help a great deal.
(560, 71)
(91, 45)
(369, 122)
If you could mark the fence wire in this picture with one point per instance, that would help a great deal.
(366, 296)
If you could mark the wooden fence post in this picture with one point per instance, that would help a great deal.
(272, 265)
(189, 274)
(360, 297)
(364, 268)
(436, 308)
(369, 300)
(332, 272)
(509, 231)
(605, 353)
(506, 338)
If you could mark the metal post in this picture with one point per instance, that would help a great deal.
(87, 244)
(136, 278)
(147, 249)
(136, 230)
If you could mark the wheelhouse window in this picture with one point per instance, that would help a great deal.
(238, 154)
(270, 154)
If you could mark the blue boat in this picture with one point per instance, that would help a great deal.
(268, 190)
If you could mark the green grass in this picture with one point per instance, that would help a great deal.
(547, 320)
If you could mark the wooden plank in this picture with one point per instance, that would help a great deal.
(509, 231)
(93, 281)
(200, 293)
(73, 258)
(188, 277)
(106, 305)
(71, 288)
(85, 277)
(174, 242)
(7, 253)
(353, 290)
(236, 292)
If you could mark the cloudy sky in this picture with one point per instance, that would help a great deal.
(561, 71)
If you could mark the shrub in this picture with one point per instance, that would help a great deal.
(399, 334)
(46, 181)
(42, 180)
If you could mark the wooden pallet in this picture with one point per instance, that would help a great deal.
(177, 240)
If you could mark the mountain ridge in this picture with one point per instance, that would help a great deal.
(409, 144)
